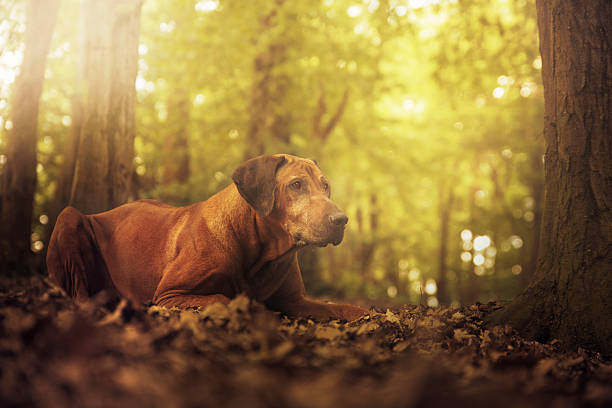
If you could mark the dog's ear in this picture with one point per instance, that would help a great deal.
(256, 181)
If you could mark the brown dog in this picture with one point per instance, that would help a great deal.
(243, 239)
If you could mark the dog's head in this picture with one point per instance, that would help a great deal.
(294, 192)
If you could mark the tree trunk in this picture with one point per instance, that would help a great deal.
(66, 169)
(445, 206)
(570, 297)
(268, 90)
(176, 146)
(19, 172)
(103, 169)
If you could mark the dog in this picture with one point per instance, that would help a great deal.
(244, 239)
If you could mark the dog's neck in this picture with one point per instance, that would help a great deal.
(264, 239)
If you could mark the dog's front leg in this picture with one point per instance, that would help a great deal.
(291, 300)
(186, 300)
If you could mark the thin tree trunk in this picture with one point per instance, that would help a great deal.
(570, 297)
(66, 169)
(471, 287)
(266, 92)
(19, 172)
(176, 145)
(103, 168)
(445, 206)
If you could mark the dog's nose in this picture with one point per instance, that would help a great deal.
(339, 218)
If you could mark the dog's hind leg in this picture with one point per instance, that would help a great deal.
(73, 257)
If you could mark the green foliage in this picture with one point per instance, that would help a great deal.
(443, 97)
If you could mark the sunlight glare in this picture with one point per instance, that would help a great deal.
(516, 241)
(479, 270)
(432, 301)
(7, 75)
(354, 11)
(141, 83)
(142, 49)
(416, 4)
(498, 92)
(414, 274)
(431, 287)
(401, 10)
(479, 259)
(537, 63)
(481, 242)
(517, 269)
(167, 27)
(466, 256)
(199, 99)
(373, 5)
(44, 219)
(525, 91)
(408, 104)
(207, 6)
(466, 235)
(360, 28)
(233, 134)
(37, 246)
(480, 194)
(392, 291)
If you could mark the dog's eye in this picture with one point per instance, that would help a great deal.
(296, 185)
(325, 186)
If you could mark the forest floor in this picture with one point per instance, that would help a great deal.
(56, 354)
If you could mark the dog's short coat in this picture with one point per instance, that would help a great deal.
(244, 239)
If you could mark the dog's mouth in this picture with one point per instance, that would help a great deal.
(333, 237)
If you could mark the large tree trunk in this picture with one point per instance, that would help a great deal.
(103, 168)
(19, 173)
(570, 297)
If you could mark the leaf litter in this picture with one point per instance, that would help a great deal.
(54, 353)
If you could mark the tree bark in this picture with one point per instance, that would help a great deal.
(103, 168)
(570, 297)
(19, 172)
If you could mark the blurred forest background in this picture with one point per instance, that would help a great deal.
(426, 115)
